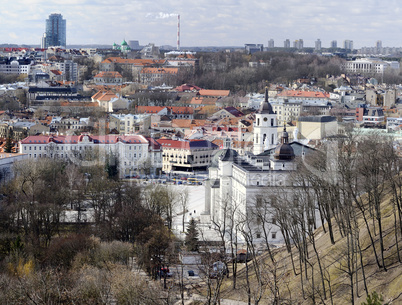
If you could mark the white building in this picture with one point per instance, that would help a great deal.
(373, 115)
(133, 151)
(369, 65)
(130, 123)
(16, 66)
(186, 156)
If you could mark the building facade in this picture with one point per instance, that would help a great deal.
(132, 151)
(286, 110)
(16, 66)
(370, 65)
(69, 70)
(186, 156)
(348, 45)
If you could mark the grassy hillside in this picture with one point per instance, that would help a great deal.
(334, 263)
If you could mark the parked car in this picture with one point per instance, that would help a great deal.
(218, 269)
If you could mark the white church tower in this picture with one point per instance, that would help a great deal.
(265, 127)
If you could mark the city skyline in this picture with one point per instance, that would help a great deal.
(206, 23)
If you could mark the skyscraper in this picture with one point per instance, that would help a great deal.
(317, 45)
(348, 45)
(286, 44)
(271, 44)
(55, 31)
(298, 44)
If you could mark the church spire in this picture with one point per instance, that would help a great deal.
(285, 135)
(266, 107)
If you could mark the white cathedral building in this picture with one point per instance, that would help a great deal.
(242, 183)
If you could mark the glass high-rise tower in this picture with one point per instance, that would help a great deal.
(55, 31)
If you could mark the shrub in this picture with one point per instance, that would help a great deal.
(374, 299)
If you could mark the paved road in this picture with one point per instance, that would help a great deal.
(195, 206)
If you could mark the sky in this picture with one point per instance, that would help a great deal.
(206, 22)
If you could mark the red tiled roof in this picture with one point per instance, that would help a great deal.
(186, 87)
(181, 123)
(160, 70)
(105, 139)
(153, 144)
(301, 93)
(200, 100)
(104, 96)
(56, 72)
(108, 74)
(214, 92)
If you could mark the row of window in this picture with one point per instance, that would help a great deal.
(25, 148)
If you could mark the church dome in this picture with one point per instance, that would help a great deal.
(284, 151)
(124, 43)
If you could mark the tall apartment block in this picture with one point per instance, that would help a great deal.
(271, 44)
(348, 44)
(55, 31)
(317, 45)
(378, 46)
(298, 44)
(334, 44)
(286, 44)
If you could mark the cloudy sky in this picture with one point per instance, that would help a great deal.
(206, 22)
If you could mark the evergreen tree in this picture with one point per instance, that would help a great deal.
(8, 148)
(191, 240)
(112, 166)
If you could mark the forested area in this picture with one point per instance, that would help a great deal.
(51, 253)
(231, 71)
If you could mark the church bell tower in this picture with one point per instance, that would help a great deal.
(265, 127)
